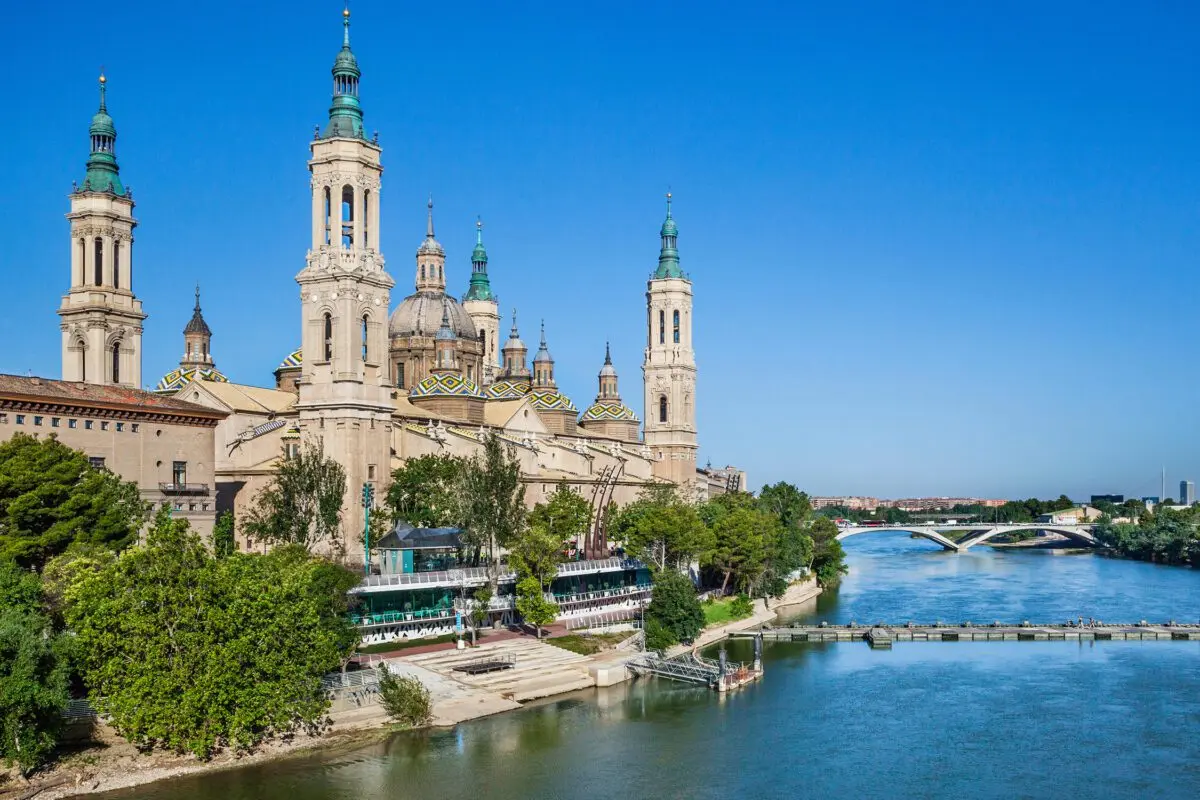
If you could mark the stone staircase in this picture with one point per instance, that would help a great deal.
(539, 670)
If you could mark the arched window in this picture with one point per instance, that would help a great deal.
(82, 361)
(366, 217)
(116, 265)
(662, 408)
(328, 337)
(328, 212)
(116, 362)
(99, 261)
(422, 272)
(400, 374)
(675, 322)
(662, 327)
(365, 348)
(347, 217)
(483, 348)
(82, 261)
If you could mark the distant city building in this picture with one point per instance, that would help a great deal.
(1115, 499)
(907, 504)
(1187, 492)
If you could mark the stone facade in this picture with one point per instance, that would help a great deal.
(162, 444)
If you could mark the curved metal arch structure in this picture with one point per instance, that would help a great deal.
(1076, 533)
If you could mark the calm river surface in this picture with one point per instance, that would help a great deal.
(927, 720)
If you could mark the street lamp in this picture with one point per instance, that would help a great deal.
(368, 499)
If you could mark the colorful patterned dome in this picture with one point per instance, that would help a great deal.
(446, 385)
(176, 379)
(618, 412)
(551, 400)
(508, 390)
(294, 360)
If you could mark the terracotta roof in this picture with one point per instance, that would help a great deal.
(47, 390)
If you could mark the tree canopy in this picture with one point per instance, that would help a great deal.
(302, 504)
(51, 497)
(424, 491)
(565, 516)
(674, 614)
(492, 500)
(662, 530)
(191, 652)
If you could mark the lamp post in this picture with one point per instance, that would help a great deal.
(368, 498)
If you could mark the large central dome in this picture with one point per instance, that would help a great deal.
(420, 314)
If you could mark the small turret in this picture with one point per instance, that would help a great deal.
(197, 338)
(431, 259)
(668, 255)
(543, 364)
(515, 353)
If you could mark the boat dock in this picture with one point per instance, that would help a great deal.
(882, 636)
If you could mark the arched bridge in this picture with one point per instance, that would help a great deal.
(977, 534)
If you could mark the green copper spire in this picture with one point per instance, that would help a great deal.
(345, 115)
(102, 163)
(668, 256)
(481, 287)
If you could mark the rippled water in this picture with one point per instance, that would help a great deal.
(928, 720)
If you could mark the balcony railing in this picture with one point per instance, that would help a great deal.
(183, 488)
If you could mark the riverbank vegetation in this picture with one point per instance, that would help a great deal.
(1166, 536)
(406, 700)
(731, 609)
(183, 646)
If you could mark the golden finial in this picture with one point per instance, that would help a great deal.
(102, 78)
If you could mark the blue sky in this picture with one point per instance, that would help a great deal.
(937, 248)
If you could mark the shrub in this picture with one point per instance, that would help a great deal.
(741, 607)
(406, 699)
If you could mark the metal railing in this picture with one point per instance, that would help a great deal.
(477, 576)
(183, 488)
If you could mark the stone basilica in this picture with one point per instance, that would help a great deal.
(433, 376)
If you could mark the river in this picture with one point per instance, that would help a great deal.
(926, 719)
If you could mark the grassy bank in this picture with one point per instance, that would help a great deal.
(591, 644)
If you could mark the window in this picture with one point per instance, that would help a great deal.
(120, 427)
(204, 506)
(366, 220)
(98, 261)
(20, 419)
(37, 420)
(54, 422)
(347, 217)
(82, 362)
(103, 425)
(400, 374)
(470, 373)
(96, 462)
(365, 349)
(370, 472)
(72, 423)
(87, 424)
(116, 265)
(328, 337)
(662, 408)
(3, 417)
(179, 506)
(328, 211)
(178, 472)
(662, 327)
(291, 449)
(675, 323)
(191, 506)
(82, 260)
(133, 428)
(116, 362)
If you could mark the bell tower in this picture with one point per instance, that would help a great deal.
(669, 365)
(101, 317)
(345, 396)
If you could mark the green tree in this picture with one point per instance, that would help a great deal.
(828, 559)
(739, 546)
(51, 497)
(536, 553)
(479, 613)
(63, 573)
(34, 673)
(533, 605)
(302, 504)
(424, 491)
(565, 516)
(674, 613)
(189, 652)
(405, 698)
(786, 502)
(662, 531)
(492, 501)
(222, 536)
